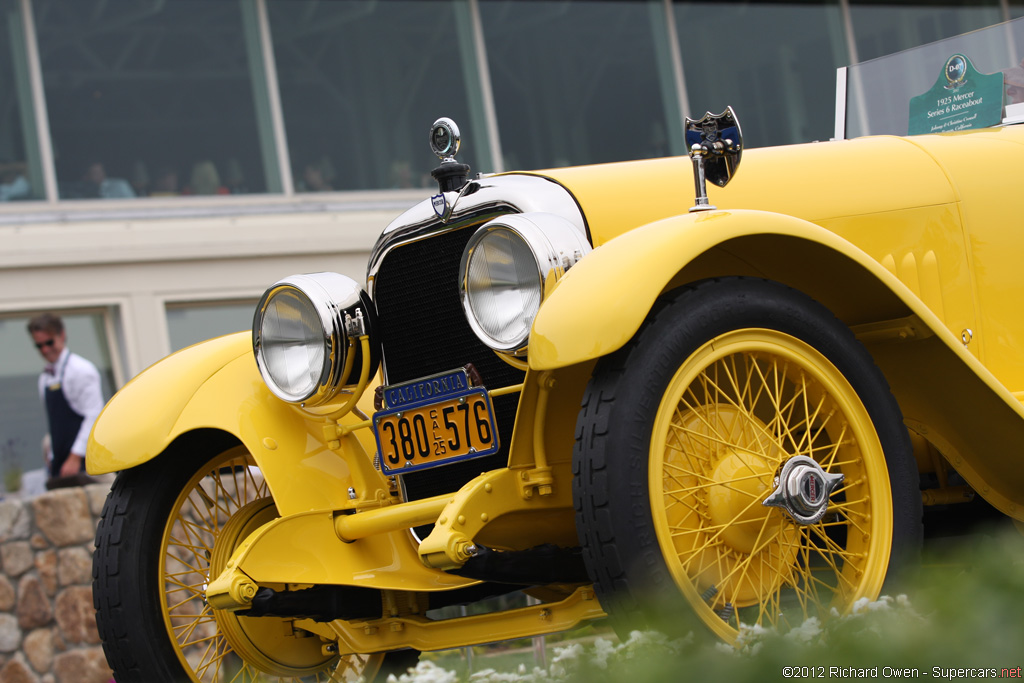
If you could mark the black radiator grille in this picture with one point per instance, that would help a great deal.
(425, 332)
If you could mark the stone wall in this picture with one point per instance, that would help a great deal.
(47, 621)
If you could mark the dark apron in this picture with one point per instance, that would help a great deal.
(64, 423)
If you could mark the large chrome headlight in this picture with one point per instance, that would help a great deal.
(301, 333)
(507, 268)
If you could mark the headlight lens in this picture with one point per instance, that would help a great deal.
(503, 287)
(300, 338)
(293, 344)
(505, 272)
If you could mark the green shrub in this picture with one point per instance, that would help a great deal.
(963, 612)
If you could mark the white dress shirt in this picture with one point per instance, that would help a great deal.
(81, 387)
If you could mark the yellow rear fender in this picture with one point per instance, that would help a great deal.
(946, 393)
(215, 389)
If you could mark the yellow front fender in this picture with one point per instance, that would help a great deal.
(605, 298)
(139, 421)
(216, 385)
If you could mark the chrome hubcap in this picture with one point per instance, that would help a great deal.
(802, 490)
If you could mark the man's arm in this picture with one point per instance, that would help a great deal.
(82, 389)
(72, 465)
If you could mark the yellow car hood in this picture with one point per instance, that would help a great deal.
(817, 181)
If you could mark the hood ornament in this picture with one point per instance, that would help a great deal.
(445, 139)
(451, 176)
(715, 144)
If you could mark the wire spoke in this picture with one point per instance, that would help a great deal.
(214, 655)
(757, 424)
(726, 485)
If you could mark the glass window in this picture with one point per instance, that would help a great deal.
(361, 82)
(882, 28)
(577, 82)
(774, 63)
(152, 98)
(20, 172)
(189, 324)
(22, 415)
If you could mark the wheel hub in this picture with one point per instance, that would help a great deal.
(738, 478)
(802, 490)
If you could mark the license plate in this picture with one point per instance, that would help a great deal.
(446, 427)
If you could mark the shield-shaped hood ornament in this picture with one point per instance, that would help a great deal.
(440, 204)
(715, 144)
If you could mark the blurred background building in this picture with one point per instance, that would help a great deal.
(163, 161)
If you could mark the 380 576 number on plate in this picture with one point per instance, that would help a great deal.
(457, 428)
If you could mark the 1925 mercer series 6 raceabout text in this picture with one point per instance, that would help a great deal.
(567, 383)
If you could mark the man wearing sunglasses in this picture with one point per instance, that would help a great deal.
(70, 388)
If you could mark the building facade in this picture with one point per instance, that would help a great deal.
(163, 161)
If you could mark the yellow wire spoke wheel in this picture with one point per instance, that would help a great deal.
(220, 505)
(742, 457)
(732, 415)
(168, 528)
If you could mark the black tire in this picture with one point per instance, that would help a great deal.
(708, 417)
(139, 586)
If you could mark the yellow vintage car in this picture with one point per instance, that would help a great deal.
(586, 385)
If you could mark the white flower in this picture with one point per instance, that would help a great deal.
(808, 632)
(603, 649)
(750, 637)
(492, 676)
(863, 605)
(425, 672)
(568, 653)
(565, 659)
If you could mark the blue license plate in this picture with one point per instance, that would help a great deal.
(434, 421)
